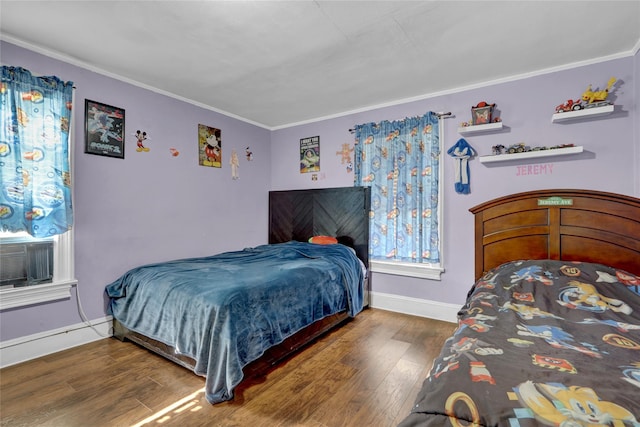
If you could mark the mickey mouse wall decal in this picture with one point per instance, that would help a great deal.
(141, 136)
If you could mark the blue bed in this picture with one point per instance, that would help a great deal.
(224, 311)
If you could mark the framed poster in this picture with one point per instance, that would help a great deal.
(103, 129)
(310, 154)
(209, 146)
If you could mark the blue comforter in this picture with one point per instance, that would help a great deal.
(225, 310)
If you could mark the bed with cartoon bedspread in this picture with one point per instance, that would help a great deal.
(540, 343)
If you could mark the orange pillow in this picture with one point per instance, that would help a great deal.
(323, 240)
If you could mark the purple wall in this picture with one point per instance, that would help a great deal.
(635, 114)
(608, 162)
(152, 206)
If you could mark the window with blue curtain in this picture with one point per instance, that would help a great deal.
(35, 180)
(400, 161)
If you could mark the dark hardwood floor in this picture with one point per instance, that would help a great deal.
(365, 373)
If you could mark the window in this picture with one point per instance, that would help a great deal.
(35, 188)
(400, 161)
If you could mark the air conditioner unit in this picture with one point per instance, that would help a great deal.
(26, 263)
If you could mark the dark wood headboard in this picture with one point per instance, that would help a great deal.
(571, 225)
(301, 214)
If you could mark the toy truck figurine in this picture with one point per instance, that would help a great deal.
(570, 105)
(520, 147)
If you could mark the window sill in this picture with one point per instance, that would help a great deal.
(431, 272)
(28, 295)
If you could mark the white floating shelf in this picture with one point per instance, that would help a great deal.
(463, 130)
(585, 112)
(531, 154)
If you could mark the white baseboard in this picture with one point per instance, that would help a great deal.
(415, 306)
(41, 344)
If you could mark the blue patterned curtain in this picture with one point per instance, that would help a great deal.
(399, 160)
(35, 180)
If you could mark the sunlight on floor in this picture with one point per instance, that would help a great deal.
(190, 403)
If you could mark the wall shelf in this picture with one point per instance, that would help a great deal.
(586, 112)
(466, 130)
(531, 154)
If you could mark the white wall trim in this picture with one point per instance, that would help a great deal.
(422, 271)
(35, 294)
(415, 306)
(73, 61)
(43, 343)
(470, 87)
(81, 64)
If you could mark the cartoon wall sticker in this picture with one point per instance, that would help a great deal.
(248, 154)
(141, 136)
(345, 156)
(235, 164)
(209, 146)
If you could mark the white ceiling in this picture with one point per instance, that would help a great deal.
(278, 63)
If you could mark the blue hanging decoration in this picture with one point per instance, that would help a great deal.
(461, 153)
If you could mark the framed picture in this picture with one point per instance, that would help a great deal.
(310, 154)
(482, 113)
(209, 146)
(104, 129)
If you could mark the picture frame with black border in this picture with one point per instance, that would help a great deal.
(104, 127)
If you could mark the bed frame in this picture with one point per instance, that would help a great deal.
(571, 225)
(294, 215)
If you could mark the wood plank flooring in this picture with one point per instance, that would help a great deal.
(365, 373)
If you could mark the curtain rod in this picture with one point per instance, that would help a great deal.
(440, 115)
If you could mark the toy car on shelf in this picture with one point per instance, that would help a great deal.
(498, 149)
(570, 105)
(518, 148)
(561, 146)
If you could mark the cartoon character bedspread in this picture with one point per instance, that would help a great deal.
(540, 343)
(225, 310)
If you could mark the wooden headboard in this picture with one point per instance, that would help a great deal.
(571, 225)
(301, 214)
